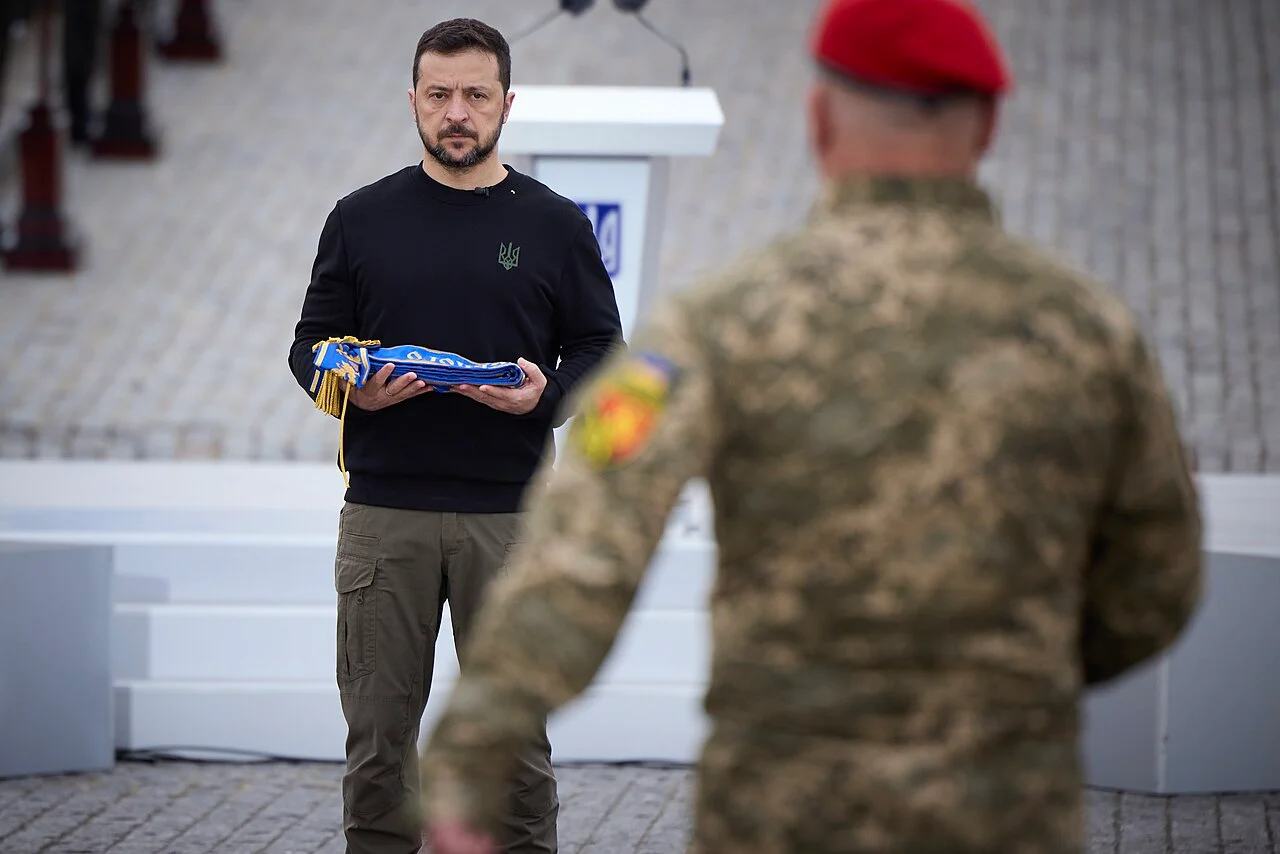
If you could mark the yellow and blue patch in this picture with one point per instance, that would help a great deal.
(624, 410)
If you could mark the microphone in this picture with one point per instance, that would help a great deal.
(482, 191)
(572, 7)
(634, 7)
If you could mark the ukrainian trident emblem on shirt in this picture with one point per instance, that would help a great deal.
(508, 255)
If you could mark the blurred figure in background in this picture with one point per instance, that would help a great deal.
(81, 35)
(81, 22)
(11, 12)
(949, 487)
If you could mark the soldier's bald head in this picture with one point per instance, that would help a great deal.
(874, 132)
(905, 86)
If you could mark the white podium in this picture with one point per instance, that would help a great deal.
(608, 148)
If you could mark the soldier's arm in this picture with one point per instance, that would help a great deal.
(1145, 578)
(645, 426)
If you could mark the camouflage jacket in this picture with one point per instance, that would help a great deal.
(948, 483)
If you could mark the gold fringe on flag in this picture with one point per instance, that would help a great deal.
(332, 388)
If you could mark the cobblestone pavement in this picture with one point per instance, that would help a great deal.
(186, 808)
(1143, 142)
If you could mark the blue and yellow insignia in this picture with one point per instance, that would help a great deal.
(624, 410)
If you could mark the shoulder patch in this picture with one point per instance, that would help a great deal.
(623, 410)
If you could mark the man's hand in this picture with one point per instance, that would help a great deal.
(455, 838)
(517, 400)
(377, 393)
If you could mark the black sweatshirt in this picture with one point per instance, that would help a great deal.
(407, 260)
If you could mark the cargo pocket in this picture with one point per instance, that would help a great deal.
(515, 541)
(355, 572)
(509, 554)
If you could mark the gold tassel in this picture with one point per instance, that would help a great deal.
(342, 421)
(347, 339)
(332, 400)
(327, 397)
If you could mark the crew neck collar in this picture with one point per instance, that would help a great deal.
(453, 196)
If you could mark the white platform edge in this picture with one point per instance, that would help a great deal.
(303, 720)
(144, 484)
(1242, 512)
(602, 121)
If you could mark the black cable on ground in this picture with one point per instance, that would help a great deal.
(176, 753)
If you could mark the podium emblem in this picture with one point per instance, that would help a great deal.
(606, 220)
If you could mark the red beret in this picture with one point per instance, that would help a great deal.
(924, 47)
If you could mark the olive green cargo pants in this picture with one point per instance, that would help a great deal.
(394, 570)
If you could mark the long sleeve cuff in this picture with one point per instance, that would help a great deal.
(548, 405)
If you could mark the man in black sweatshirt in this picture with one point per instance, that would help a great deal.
(464, 254)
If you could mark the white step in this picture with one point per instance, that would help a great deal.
(303, 720)
(248, 643)
(299, 571)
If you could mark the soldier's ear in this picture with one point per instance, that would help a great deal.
(988, 113)
(820, 124)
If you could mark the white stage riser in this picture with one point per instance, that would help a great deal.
(610, 723)
(228, 643)
(290, 643)
(259, 571)
(223, 613)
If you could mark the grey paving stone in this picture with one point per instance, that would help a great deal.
(295, 808)
(1273, 823)
(1194, 823)
(276, 816)
(630, 822)
(592, 806)
(1143, 825)
(1243, 826)
(1102, 818)
(672, 828)
(314, 831)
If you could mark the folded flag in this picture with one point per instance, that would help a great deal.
(355, 361)
(345, 362)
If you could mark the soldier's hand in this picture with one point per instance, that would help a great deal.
(457, 839)
(377, 393)
(516, 401)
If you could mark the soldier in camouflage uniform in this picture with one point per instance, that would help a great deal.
(949, 493)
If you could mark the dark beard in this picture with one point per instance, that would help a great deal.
(472, 158)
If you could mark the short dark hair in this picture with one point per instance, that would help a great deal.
(459, 34)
